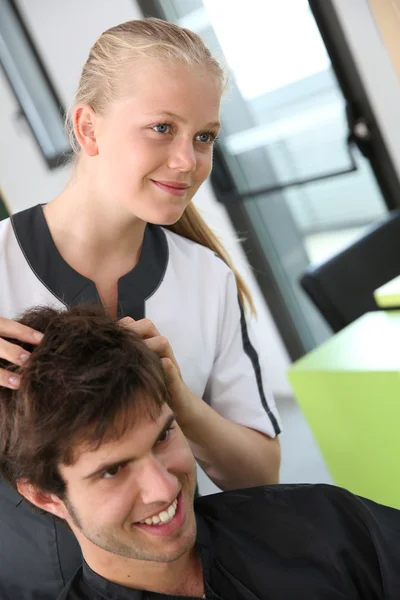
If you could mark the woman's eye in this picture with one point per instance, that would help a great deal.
(207, 137)
(162, 128)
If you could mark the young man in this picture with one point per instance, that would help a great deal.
(90, 439)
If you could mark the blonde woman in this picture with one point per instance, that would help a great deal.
(125, 233)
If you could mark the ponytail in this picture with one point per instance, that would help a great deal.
(192, 226)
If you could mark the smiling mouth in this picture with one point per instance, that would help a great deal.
(176, 189)
(162, 518)
(166, 523)
(172, 184)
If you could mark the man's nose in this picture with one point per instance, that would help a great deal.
(156, 483)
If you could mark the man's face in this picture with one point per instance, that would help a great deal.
(148, 474)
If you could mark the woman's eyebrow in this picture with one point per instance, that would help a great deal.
(170, 115)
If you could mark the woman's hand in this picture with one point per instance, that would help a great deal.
(12, 352)
(181, 397)
(232, 455)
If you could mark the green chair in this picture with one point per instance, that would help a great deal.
(349, 392)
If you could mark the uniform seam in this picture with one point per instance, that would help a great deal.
(252, 354)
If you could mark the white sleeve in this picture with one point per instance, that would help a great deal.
(237, 388)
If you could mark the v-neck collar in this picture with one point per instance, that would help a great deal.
(114, 591)
(69, 286)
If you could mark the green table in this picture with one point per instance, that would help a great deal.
(388, 295)
(349, 392)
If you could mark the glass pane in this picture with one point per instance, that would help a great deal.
(283, 120)
(29, 84)
(177, 9)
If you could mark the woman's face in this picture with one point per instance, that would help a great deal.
(155, 146)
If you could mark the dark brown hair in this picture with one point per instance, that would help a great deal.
(88, 380)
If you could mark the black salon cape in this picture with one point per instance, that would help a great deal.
(284, 542)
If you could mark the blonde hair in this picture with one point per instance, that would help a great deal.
(102, 81)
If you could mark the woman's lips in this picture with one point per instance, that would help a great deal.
(171, 188)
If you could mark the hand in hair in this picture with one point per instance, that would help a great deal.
(14, 353)
(182, 398)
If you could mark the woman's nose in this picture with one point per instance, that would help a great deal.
(182, 156)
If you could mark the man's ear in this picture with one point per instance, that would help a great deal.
(49, 502)
(84, 121)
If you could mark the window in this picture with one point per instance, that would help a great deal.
(283, 168)
(37, 99)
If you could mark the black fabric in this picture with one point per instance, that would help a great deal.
(38, 555)
(71, 288)
(311, 542)
(343, 287)
(253, 356)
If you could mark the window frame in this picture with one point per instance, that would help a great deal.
(44, 119)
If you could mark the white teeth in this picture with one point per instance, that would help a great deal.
(164, 517)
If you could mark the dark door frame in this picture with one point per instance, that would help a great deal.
(359, 109)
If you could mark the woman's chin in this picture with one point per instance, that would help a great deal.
(164, 218)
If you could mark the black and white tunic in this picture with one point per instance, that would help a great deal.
(191, 296)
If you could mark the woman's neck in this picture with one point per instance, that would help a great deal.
(91, 235)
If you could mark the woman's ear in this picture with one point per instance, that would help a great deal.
(84, 121)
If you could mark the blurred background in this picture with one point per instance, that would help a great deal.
(308, 158)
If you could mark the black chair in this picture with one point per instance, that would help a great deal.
(342, 288)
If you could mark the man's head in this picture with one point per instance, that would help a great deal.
(89, 437)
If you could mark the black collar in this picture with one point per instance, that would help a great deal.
(71, 288)
(113, 591)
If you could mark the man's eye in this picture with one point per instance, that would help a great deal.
(165, 435)
(162, 127)
(112, 472)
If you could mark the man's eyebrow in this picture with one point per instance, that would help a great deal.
(171, 115)
(104, 467)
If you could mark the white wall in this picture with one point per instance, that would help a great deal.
(64, 32)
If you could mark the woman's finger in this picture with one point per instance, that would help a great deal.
(181, 397)
(156, 342)
(174, 380)
(13, 353)
(170, 370)
(127, 321)
(162, 347)
(145, 328)
(13, 329)
(9, 379)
